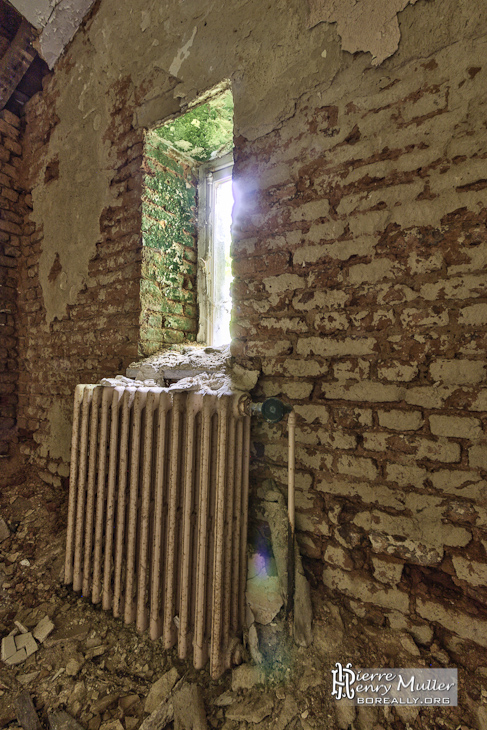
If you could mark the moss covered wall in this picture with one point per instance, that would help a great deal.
(168, 283)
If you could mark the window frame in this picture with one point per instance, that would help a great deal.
(214, 171)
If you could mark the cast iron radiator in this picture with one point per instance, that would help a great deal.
(157, 514)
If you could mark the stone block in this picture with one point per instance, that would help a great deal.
(336, 555)
(357, 466)
(420, 538)
(424, 318)
(441, 450)
(458, 372)
(466, 484)
(470, 570)
(284, 283)
(397, 420)
(477, 456)
(363, 589)
(330, 347)
(406, 475)
(376, 441)
(368, 392)
(351, 369)
(387, 571)
(456, 427)
(475, 314)
(464, 625)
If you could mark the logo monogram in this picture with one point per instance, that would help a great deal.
(343, 678)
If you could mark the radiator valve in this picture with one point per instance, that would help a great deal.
(272, 410)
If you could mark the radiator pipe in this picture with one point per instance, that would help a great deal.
(273, 410)
(291, 426)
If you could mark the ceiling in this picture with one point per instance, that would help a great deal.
(33, 34)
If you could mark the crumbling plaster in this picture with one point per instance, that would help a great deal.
(172, 53)
(366, 25)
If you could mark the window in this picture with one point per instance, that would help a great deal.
(186, 228)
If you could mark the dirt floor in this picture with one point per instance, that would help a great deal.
(101, 671)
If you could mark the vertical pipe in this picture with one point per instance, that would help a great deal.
(106, 398)
(142, 565)
(237, 526)
(160, 479)
(200, 649)
(193, 404)
(169, 634)
(127, 402)
(130, 605)
(111, 495)
(291, 424)
(216, 659)
(80, 507)
(90, 498)
(73, 484)
(244, 511)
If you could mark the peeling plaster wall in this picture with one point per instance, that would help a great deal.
(360, 229)
(367, 25)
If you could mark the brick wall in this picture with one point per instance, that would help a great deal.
(98, 334)
(168, 285)
(12, 209)
(361, 292)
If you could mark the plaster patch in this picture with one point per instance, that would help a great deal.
(69, 208)
(58, 445)
(367, 25)
(181, 55)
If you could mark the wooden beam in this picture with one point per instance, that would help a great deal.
(16, 61)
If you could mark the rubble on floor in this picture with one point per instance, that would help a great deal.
(92, 672)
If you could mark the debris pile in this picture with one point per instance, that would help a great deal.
(206, 370)
(92, 672)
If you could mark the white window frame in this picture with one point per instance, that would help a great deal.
(210, 174)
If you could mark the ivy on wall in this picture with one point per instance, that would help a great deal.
(205, 132)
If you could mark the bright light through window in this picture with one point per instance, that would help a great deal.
(222, 235)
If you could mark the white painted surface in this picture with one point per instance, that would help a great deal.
(58, 21)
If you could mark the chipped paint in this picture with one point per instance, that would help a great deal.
(181, 55)
(367, 25)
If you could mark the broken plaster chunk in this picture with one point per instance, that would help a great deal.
(21, 627)
(27, 642)
(8, 648)
(160, 690)
(17, 658)
(43, 629)
(264, 597)
(72, 667)
(189, 708)
(247, 676)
